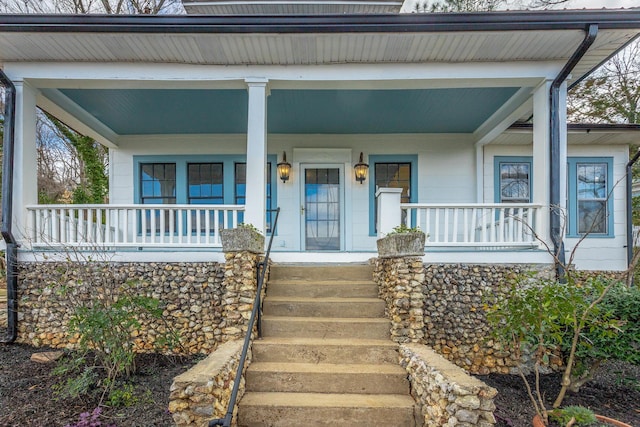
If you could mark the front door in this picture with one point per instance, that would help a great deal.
(321, 208)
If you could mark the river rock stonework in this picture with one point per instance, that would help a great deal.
(204, 391)
(455, 321)
(441, 305)
(400, 286)
(204, 303)
(445, 394)
(240, 280)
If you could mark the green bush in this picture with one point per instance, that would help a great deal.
(622, 303)
(579, 319)
(106, 322)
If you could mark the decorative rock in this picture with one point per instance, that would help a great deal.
(46, 356)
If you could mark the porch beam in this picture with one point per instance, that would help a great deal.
(517, 106)
(256, 177)
(60, 75)
(70, 113)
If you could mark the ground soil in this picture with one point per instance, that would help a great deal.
(26, 398)
(615, 393)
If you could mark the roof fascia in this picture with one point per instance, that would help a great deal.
(385, 23)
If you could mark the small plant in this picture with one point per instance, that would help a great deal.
(81, 383)
(123, 395)
(402, 228)
(90, 420)
(249, 226)
(576, 415)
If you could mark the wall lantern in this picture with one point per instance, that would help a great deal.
(361, 169)
(284, 168)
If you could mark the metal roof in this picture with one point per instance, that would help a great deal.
(317, 39)
(291, 7)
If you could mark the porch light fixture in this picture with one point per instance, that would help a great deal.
(284, 168)
(361, 169)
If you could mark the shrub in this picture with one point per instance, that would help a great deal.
(551, 317)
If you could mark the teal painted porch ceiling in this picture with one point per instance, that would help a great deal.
(198, 111)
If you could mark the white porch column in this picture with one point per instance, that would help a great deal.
(541, 157)
(25, 165)
(256, 153)
(389, 212)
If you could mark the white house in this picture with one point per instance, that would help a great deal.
(198, 111)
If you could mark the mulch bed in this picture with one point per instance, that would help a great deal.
(615, 393)
(26, 398)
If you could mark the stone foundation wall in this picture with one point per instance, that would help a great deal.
(455, 321)
(204, 391)
(445, 394)
(400, 283)
(441, 305)
(203, 303)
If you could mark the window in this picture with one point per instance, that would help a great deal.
(392, 171)
(592, 197)
(157, 186)
(513, 179)
(240, 184)
(158, 183)
(205, 183)
(590, 206)
(394, 175)
(197, 179)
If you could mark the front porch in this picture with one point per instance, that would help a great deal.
(474, 232)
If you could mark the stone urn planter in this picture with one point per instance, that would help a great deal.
(242, 239)
(537, 422)
(396, 245)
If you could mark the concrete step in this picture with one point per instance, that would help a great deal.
(323, 307)
(319, 409)
(322, 288)
(321, 272)
(327, 350)
(325, 327)
(327, 378)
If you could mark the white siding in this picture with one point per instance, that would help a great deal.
(594, 253)
(446, 164)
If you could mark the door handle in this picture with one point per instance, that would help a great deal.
(301, 210)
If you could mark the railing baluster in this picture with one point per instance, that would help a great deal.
(207, 227)
(198, 225)
(216, 225)
(455, 224)
(172, 224)
(446, 226)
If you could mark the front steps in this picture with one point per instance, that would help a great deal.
(325, 357)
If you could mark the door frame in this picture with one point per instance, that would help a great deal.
(341, 194)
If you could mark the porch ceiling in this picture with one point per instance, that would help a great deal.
(201, 111)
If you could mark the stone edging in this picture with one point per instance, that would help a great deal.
(203, 392)
(446, 395)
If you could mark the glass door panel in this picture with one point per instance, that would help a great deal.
(321, 209)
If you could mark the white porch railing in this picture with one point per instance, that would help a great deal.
(131, 225)
(475, 225)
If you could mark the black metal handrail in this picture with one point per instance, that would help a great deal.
(255, 313)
